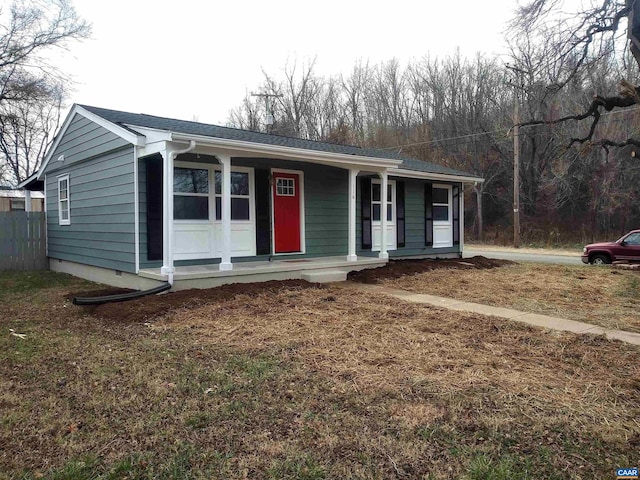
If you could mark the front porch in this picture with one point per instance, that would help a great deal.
(206, 205)
(323, 269)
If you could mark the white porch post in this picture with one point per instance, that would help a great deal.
(461, 217)
(167, 215)
(27, 200)
(353, 174)
(225, 162)
(168, 156)
(384, 176)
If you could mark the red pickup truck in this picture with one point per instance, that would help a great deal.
(625, 248)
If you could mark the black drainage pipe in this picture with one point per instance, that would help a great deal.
(122, 297)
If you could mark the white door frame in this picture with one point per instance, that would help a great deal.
(303, 245)
(392, 225)
(440, 225)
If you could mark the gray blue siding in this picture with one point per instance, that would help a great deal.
(101, 193)
(83, 140)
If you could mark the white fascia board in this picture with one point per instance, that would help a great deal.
(152, 134)
(337, 159)
(401, 172)
(152, 148)
(137, 140)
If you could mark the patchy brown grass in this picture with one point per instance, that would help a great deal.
(598, 295)
(307, 383)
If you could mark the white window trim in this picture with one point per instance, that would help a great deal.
(303, 243)
(213, 168)
(442, 223)
(290, 185)
(210, 178)
(67, 221)
(390, 205)
(212, 224)
(449, 203)
(391, 224)
(251, 196)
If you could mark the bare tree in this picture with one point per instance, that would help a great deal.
(584, 39)
(31, 89)
(27, 133)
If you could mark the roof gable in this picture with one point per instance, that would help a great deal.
(80, 121)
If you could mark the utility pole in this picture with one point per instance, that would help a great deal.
(267, 103)
(516, 174)
(516, 158)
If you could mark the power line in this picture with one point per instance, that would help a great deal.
(446, 139)
(479, 134)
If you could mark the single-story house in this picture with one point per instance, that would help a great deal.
(18, 200)
(133, 200)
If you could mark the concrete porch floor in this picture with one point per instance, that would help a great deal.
(323, 269)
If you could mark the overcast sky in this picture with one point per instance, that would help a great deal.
(197, 59)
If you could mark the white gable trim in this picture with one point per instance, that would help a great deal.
(137, 140)
(401, 172)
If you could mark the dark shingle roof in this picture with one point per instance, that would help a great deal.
(206, 130)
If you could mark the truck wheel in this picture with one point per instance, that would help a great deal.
(600, 259)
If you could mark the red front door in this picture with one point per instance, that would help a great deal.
(286, 212)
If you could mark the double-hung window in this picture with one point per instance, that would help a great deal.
(441, 204)
(240, 195)
(376, 201)
(64, 206)
(190, 193)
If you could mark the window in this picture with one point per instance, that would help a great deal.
(440, 204)
(633, 239)
(190, 194)
(285, 187)
(240, 197)
(17, 205)
(376, 203)
(64, 208)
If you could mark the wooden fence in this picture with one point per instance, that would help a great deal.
(23, 241)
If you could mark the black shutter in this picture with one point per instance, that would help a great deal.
(365, 212)
(400, 214)
(428, 214)
(263, 223)
(456, 215)
(154, 207)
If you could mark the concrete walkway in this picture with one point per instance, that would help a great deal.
(544, 321)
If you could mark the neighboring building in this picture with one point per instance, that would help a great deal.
(135, 199)
(12, 200)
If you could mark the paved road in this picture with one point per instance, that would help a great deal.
(524, 257)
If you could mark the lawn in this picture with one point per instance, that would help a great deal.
(301, 381)
(599, 295)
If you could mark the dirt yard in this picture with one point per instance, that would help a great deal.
(599, 295)
(293, 380)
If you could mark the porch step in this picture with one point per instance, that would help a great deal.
(324, 276)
